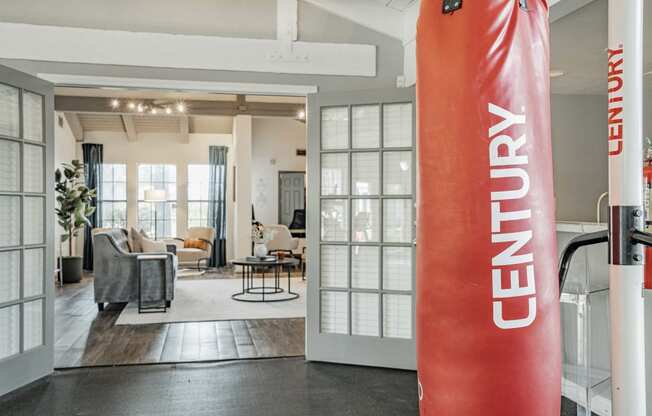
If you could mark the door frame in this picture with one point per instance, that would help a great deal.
(351, 349)
(26, 367)
(280, 172)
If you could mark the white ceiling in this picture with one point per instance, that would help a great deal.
(578, 47)
(399, 5)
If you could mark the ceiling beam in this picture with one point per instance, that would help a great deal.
(75, 126)
(130, 127)
(165, 50)
(195, 107)
(184, 130)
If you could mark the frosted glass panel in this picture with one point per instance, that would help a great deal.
(335, 174)
(9, 275)
(397, 125)
(334, 312)
(334, 220)
(34, 272)
(10, 330)
(335, 128)
(9, 221)
(32, 116)
(366, 220)
(33, 220)
(365, 264)
(9, 112)
(33, 324)
(33, 168)
(397, 173)
(334, 266)
(397, 268)
(364, 314)
(397, 316)
(366, 126)
(397, 221)
(9, 166)
(365, 173)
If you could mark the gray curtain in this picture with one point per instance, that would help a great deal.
(217, 202)
(93, 177)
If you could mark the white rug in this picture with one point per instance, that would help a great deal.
(210, 300)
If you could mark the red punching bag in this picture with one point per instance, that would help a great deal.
(488, 329)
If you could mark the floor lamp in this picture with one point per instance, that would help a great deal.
(155, 195)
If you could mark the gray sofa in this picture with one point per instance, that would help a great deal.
(115, 270)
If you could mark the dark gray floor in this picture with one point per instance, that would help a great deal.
(283, 387)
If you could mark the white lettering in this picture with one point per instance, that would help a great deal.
(506, 166)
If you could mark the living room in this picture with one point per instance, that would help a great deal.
(171, 167)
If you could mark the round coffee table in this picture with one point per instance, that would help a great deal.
(248, 287)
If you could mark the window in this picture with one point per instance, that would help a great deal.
(158, 219)
(113, 199)
(198, 183)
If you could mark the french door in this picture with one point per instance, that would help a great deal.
(361, 216)
(26, 229)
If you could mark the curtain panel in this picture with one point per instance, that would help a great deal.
(217, 160)
(93, 177)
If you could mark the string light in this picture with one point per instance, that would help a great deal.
(115, 103)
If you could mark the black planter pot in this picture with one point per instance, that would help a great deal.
(71, 269)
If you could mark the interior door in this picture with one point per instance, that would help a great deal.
(26, 229)
(292, 196)
(361, 216)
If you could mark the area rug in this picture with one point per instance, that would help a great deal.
(210, 300)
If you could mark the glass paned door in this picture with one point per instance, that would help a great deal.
(26, 223)
(361, 233)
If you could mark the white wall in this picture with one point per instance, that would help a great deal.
(275, 142)
(165, 149)
(579, 145)
(64, 152)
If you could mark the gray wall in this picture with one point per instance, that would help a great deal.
(579, 145)
(315, 25)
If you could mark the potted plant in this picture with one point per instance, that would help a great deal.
(73, 208)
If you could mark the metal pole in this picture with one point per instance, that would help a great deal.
(625, 131)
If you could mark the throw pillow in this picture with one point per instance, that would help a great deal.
(151, 246)
(195, 243)
(134, 239)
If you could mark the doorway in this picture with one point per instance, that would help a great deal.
(291, 195)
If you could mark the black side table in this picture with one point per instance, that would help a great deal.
(156, 308)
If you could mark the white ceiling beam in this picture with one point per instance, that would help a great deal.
(287, 20)
(70, 80)
(184, 130)
(75, 126)
(130, 127)
(116, 47)
(561, 8)
(367, 13)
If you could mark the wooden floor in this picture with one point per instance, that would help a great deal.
(86, 337)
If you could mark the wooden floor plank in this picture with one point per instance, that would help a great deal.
(86, 337)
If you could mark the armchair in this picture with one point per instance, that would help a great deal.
(116, 274)
(193, 255)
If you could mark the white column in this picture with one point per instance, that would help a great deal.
(242, 132)
(625, 136)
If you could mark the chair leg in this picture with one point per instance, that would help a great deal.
(100, 307)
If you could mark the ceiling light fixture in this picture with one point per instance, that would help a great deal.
(131, 105)
(150, 106)
(140, 108)
(301, 115)
(555, 73)
(154, 111)
(181, 107)
(115, 103)
(168, 110)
